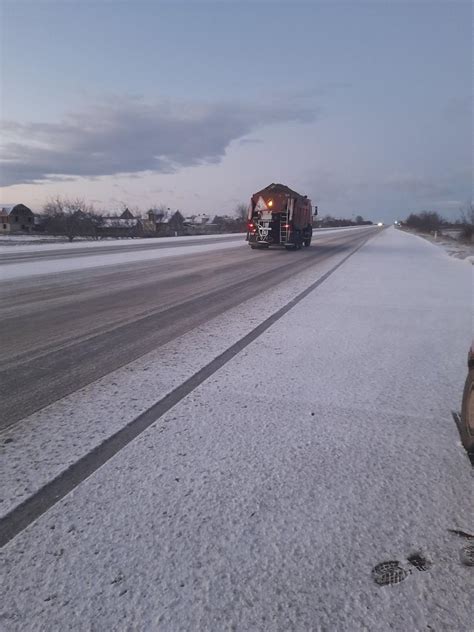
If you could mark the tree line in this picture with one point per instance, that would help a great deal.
(75, 218)
(70, 218)
(332, 222)
(431, 221)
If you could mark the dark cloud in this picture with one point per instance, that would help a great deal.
(130, 136)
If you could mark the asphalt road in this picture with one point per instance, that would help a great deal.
(107, 248)
(61, 332)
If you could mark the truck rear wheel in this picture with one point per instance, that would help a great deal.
(467, 413)
(298, 239)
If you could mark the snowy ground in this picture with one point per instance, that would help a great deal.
(264, 498)
(452, 246)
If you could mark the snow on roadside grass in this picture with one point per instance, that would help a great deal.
(264, 499)
(451, 246)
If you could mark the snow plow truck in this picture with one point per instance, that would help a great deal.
(279, 216)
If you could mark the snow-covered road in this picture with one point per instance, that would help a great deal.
(67, 329)
(263, 499)
(25, 262)
(68, 259)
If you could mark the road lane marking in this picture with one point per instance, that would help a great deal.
(33, 507)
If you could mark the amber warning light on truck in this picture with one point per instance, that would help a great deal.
(279, 216)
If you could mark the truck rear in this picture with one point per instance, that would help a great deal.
(279, 216)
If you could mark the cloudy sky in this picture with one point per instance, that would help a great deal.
(364, 106)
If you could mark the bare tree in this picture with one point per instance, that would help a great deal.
(241, 211)
(467, 213)
(71, 218)
(160, 212)
(176, 223)
(226, 224)
(425, 222)
(467, 220)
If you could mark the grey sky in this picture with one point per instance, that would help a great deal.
(366, 107)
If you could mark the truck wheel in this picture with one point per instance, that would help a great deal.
(467, 413)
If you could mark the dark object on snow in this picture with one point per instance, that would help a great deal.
(462, 534)
(466, 422)
(467, 554)
(419, 562)
(388, 573)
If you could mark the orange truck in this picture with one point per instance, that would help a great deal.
(279, 216)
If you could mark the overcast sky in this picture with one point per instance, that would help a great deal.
(364, 106)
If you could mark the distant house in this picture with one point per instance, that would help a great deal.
(156, 222)
(196, 220)
(16, 219)
(127, 214)
(124, 225)
(162, 224)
